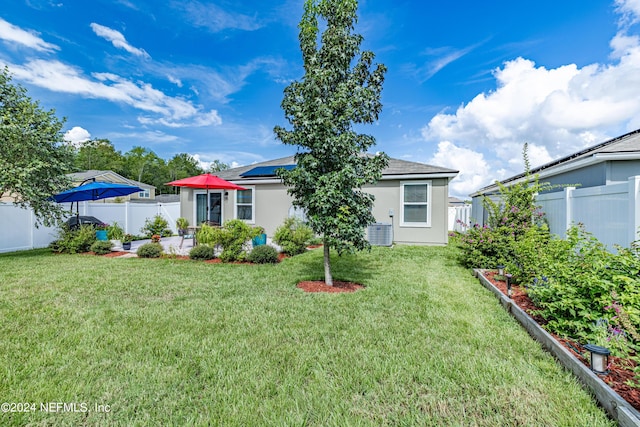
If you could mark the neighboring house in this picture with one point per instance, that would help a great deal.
(167, 198)
(454, 201)
(148, 193)
(597, 187)
(411, 197)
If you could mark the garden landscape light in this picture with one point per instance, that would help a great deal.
(501, 270)
(599, 358)
(508, 276)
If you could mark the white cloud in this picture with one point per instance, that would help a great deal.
(471, 165)
(630, 11)
(210, 118)
(117, 39)
(176, 81)
(169, 111)
(30, 39)
(215, 18)
(76, 136)
(440, 58)
(556, 111)
(150, 137)
(233, 158)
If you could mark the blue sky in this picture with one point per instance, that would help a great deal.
(467, 83)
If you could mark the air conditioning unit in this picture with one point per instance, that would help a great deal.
(380, 234)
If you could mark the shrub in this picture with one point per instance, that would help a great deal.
(515, 217)
(206, 235)
(576, 285)
(74, 241)
(483, 246)
(101, 247)
(202, 252)
(150, 250)
(232, 236)
(182, 223)
(293, 236)
(264, 254)
(115, 232)
(158, 226)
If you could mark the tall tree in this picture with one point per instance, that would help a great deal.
(33, 155)
(99, 154)
(181, 166)
(217, 166)
(339, 89)
(144, 165)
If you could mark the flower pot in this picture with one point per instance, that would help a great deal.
(101, 234)
(259, 240)
(126, 246)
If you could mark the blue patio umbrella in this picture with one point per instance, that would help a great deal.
(95, 191)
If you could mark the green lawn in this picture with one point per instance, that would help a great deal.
(170, 342)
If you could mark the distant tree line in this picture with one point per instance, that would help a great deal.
(140, 164)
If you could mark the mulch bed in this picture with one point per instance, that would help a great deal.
(620, 370)
(114, 254)
(321, 286)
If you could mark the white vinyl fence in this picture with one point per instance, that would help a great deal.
(459, 218)
(18, 231)
(610, 212)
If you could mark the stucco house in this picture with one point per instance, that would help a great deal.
(148, 193)
(411, 199)
(598, 187)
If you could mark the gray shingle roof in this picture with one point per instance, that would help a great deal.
(395, 167)
(97, 174)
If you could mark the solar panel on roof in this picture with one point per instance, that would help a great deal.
(265, 170)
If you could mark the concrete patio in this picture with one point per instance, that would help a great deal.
(171, 245)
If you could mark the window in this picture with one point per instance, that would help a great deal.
(144, 194)
(245, 206)
(415, 204)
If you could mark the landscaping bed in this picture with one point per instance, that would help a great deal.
(620, 372)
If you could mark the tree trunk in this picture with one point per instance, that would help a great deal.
(327, 265)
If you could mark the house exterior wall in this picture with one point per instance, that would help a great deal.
(478, 213)
(388, 196)
(272, 206)
(187, 205)
(588, 176)
(622, 170)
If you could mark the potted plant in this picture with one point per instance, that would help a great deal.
(182, 224)
(126, 242)
(259, 237)
(115, 233)
(101, 231)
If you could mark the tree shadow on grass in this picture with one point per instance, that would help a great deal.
(347, 267)
(31, 253)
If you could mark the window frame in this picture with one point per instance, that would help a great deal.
(428, 203)
(144, 194)
(252, 188)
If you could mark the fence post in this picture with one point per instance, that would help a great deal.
(568, 209)
(634, 207)
(126, 218)
(32, 220)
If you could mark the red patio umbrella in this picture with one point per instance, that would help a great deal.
(208, 182)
